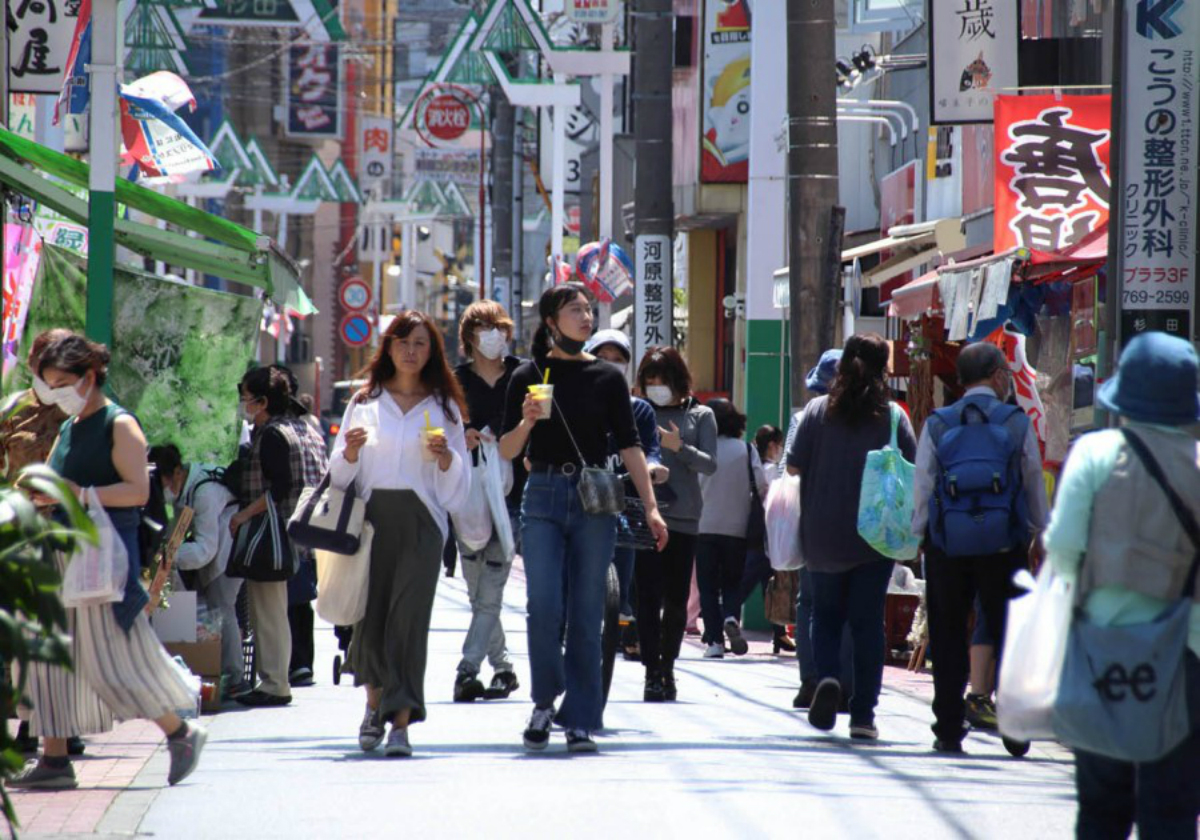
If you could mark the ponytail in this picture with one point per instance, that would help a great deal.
(541, 342)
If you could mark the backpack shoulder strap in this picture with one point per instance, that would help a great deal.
(750, 473)
(1182, 512)
(1014, 419)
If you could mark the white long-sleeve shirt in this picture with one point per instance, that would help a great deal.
(391, 458)
(208, 551)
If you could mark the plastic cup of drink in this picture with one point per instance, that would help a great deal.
(426, 436)
(544, 394)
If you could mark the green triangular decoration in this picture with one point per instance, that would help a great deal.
(262, 172)
(154, 40)
(426, 197)
(314, 183)
(471, 69)
(510, 34)
(347, 190)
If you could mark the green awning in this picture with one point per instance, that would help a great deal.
(226, 249)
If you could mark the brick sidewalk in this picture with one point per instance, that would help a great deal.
(112, 762)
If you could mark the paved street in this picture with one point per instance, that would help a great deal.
(731, 759)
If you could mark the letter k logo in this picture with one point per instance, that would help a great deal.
(1154, 19)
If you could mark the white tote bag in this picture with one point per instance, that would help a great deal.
(782, 510)
(342, 582)
(96, 573)
(1035, 645)
(473, 523)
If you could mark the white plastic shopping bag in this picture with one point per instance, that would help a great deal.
(782, 510)
(473, 522)
(342, 582)
(96, 573)
(1035, 644)
(498, 479)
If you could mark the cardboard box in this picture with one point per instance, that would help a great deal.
(177, 623)
(202, 658)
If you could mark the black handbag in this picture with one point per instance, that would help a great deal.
(262, 551)
(756, 525)
(328, 519)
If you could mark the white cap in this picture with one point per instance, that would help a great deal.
(610, 336)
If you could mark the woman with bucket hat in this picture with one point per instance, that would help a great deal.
(1134, 553)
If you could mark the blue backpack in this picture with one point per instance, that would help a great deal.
(978, 504)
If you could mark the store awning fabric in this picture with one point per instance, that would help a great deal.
(226, 249)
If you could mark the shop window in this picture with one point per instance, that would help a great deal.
(685, 41)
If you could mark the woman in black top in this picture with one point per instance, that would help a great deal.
(566, 550)
(484, 335)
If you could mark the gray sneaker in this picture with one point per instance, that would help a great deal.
(370, 734)
(737, 642)
(185, 753)
(38, 776)
(397, 744)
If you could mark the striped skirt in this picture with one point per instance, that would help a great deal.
(118, 674)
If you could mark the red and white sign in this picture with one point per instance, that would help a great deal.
(446, 117)
(593, 11)
(375, 156)
(1052, 175)
(355, 294)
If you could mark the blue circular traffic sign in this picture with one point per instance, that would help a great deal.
(356, 330)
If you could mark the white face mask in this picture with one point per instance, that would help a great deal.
(248, 414)
(68, 399)
(42, 391)
(169, 495)
(492, 343)
(659, 394)
(618, 366)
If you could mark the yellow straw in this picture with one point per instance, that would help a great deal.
(428, 425)
(546, 376)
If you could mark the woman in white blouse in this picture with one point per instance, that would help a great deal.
(402, 444)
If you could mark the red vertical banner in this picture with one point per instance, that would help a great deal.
(1052, 175)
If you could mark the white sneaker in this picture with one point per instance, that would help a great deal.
(397, 744)
(715, 651)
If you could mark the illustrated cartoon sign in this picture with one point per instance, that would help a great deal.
(725, 152)
(974, 55)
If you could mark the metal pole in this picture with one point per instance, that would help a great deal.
(408, 265)
(812, 182)
(503, 133)
(607, 33)
(1106, 351)
(481, 222)
(558, 116)
(103, 131)
(518, 292)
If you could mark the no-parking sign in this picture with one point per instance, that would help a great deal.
(355, 329)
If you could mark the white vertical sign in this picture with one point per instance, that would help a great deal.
(974, 55)
(1159, 160)
(39, 41)
(375, 156)
(653, 300)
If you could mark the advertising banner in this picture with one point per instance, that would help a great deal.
(1158, 173)
(974, 55)
(443, 165)
(40, 33)
(593, 11)
(314, 91)
(1052, 176)
(22, 252)
(725, 146)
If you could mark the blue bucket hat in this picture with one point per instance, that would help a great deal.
(821, 377)
(1155, 382)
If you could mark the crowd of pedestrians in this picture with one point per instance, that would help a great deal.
(584, 449)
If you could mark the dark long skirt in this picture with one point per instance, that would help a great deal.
(391, 643)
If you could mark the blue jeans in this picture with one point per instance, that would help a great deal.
(566, 552)
(1161, 797)
(623, 559)
(856, 597)
(804, 645)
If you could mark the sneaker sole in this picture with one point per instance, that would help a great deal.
(201, 740)
(534, 746)
(398, 752)
(65, 783)
(860, 735)
(589, 747)
(369, 745)
(822, 714)
(737, 643)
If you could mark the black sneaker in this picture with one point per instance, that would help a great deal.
(75, 746)
(654, 691)
(822, 714)
(261, 699)
(981, 712)
(24, 742)
(580, 741)
(737, 642)
(503, 684)
(948, 747)
(371, 731)
(301, 677)
(537, 733)
(467, 688)
(670, 691)
(804, 696)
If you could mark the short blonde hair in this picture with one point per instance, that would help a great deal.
(478, 314)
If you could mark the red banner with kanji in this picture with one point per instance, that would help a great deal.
(1052, 175)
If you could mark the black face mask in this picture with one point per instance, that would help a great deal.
(570, 346)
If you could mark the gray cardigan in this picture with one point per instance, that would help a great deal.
(683, 502)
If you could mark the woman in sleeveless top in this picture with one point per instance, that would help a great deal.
(114, 649)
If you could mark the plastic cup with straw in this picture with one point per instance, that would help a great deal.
(429, 433)
(544, 394)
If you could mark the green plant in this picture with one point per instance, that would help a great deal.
(32, 616)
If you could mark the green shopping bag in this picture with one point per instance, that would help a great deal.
(885, 504)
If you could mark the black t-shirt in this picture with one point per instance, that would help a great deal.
(594, 398)
(485, 405)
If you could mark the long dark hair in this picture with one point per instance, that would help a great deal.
(72, 353)
(764, 437)
(436, 375)
(553, 300)
(270, 384)
(859, 392)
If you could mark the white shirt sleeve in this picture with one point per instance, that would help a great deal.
(453, 487)
(760, 474)
(1035, 483)
(924, 479)
(341, 471)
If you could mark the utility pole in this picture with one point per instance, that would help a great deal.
(103, 131)
(654, 208)
(518, 292)
(814, 236)
(503, 130)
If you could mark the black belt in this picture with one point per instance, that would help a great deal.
(545, 468)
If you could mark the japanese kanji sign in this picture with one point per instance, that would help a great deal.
(654, 303)
(593, 11)
(1157, 251)
(39, 39)
(974, 55)
(375, 156)
(1052, 176)
(314, 98)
